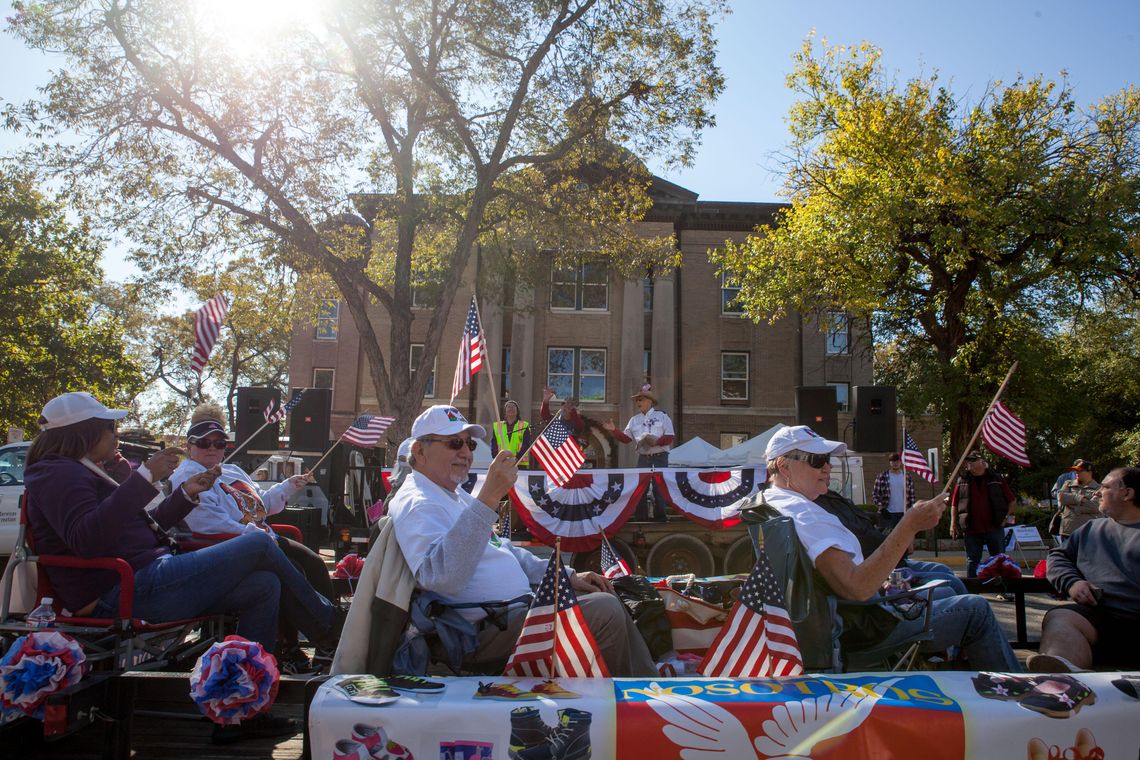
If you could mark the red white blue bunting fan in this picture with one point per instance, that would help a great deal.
(591, 502)
(709, 497)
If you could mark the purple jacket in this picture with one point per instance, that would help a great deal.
(73, 511)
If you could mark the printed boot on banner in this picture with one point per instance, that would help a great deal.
(347, 749)
(375, 738)
(527, 730)
(569, 740)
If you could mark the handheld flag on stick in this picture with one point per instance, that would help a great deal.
(558, 452)
(278, 415)
(613, 566)
(504, 530)
(366, 429)
(555, 640)
(757, 640)
(207, 325)
(914, 461)
(472, 349)
(1004, 433)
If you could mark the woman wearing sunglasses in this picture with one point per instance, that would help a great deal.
(799, 466)
(237, 504)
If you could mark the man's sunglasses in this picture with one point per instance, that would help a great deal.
(203, 444)
(455, 444)
(816, 461)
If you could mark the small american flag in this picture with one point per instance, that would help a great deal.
(471, 351)
(558, 452)
(207, 325)
(914, 461)
(613, 566)
(367, 429)
(1005, 434)
(284, 409)
(574, 654)
(505, 523)
(757, 640)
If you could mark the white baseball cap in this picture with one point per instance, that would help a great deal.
(74, 407)
(801, 438)
(442, 419)
(405, 450)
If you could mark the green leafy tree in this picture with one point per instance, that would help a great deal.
(382, 150)
(968, 232)
(54, 338)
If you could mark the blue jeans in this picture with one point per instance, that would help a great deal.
(925, 571)
(966, 622)
(247, 576)
(993, 541)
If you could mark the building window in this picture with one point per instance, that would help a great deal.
(417, 350)
(842, 396)
(733, 376)
(505, 373)
(729, 296)
(425, 296)
(728, 440)
(647, 286)
(582, 288)
(646, 363)
(328, 320)
(838, 333)
(577, 372)
(323, 378)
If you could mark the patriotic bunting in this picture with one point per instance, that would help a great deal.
(207, 326)
(914, 461)
(1004, 434)
(555, 640)
(709, 497)
(757, 640)
(593, 501)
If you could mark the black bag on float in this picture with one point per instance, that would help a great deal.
(648, 611)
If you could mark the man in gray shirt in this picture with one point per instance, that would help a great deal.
(1098, 568)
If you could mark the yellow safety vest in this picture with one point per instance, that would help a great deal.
(513, 440)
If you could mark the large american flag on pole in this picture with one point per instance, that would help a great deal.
(548, 648)
(207, 325)
(757, 640)
(914, 461)
(1005, 434)
(367, 429)
(472, 349)
(613, 566)
(275, 413)
(558, 452)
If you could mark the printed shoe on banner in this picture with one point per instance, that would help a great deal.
(415, 684)
(503, 691)
(569, 740)
(379, 746)
(553, 690)
(347, 749)
(1058, 696)
(527, 730)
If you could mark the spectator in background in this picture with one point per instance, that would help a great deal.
(893, 493)
(570, 413)
(978, 507)
(1078, 499)
(511, 434)
(652, 432)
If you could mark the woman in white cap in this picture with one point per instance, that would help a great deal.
(85, 501)
(236, 504)
(799, 466)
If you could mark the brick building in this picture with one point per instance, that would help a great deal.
(589, 333)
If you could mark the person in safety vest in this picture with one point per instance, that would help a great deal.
(511, 434)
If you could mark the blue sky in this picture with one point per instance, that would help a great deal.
(968, 42)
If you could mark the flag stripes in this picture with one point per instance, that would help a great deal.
(558, 452)
(613, 566)
(472, 349)
(367, 429)
(914, 461)
(1004, 434)
(207, 326)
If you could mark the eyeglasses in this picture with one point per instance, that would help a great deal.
(815, 461)
(455, 444)
(216, 444)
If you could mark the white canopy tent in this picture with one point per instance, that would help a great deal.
(749, 452)
(695, 452)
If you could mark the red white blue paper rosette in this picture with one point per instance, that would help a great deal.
(234, 680)
(35, 667)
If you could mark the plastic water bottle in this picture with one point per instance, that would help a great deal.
(42, 616)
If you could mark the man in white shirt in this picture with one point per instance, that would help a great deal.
(447, 538)
(893, 493)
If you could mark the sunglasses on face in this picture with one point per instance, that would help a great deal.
(219, 445)
(455, 444)
(816, 461)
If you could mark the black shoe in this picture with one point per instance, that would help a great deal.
(569, 740)
(265, 726)
(299, 666)
(415, 684)
(527, 730)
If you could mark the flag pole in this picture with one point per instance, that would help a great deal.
(535, 440)
(977, 432)
(554, 639)
(247, 440)
(487, 364)
(326, 454)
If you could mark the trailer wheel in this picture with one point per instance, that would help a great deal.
(680, 553)
(740, 557)
(592, 561)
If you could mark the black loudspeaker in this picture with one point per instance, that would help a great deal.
(816, 407)
(309, 421)
(876, 410)
(250, 413)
